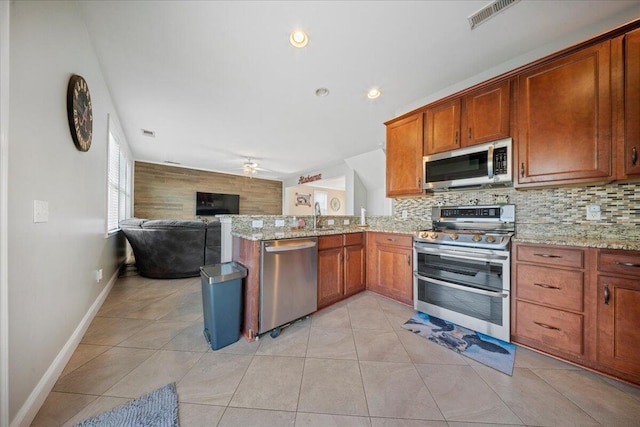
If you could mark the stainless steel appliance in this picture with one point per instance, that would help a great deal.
(288, 282)
(462, 267)
(476, 166)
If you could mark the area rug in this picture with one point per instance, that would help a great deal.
(487, 350)
(156, 409)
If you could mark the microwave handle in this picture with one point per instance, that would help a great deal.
(490, 162)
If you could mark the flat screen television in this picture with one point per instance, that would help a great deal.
(217, 204)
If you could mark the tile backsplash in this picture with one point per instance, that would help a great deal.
(620, 204)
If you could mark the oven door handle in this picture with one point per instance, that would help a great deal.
(458, 255)
(503, 294)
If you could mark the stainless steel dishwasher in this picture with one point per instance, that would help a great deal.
(288, 282)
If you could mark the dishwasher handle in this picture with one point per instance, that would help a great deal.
(286, 248)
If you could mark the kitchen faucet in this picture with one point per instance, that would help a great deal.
(316, 215)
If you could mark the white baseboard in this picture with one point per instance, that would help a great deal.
(34, 402)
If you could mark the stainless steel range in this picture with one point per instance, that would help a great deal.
(462, 267)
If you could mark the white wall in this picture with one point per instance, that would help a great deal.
(329, 172)
(51, 284)
(370, 167)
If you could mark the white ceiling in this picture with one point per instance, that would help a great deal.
(218, 81)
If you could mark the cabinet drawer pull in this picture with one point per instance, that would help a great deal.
(522, 170)
(408, 259)
(547, 256)
(543, 285)
(456, 138)
(634, 156)
(607, 294)
(469, 133)
(391, 239)
(626, 264)
(544, 325)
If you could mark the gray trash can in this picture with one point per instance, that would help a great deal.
(222, 302)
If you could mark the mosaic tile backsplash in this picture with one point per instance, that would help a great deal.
(551, 211)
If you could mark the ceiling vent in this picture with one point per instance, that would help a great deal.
(149, 133)
(489, 11)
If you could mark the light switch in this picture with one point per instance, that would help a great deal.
(330, 222)
(40, 211)
(257, 223)
(279, 222)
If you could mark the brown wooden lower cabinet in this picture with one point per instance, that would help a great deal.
(341, 267)
(618, 302)
(390, 265)
(579, 304)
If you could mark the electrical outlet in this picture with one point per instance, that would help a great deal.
(404, 214)
(257, 223)
(98, 275)
(593, 213)
(279, 222)
(346, 222)
(330, 222)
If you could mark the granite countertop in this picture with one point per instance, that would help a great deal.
(604, 237)
(579, 241)
(283, 233)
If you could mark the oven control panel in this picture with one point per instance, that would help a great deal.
(497, 213)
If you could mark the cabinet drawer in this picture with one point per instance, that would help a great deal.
(551, 255)
(390, 239)
(553, 328)
(332, 241)
(551, 286)
(353, 239)
(621, 262)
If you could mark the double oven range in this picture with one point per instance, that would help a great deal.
(462, 267)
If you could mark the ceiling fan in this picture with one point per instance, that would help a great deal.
(250, 167)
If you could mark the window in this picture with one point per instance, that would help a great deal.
(118, 181)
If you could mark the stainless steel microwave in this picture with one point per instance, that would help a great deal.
(476, 166)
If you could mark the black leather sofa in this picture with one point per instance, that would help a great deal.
(171, 249)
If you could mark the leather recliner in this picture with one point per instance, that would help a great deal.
(171, 249)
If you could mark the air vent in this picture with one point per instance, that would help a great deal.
(489, 11)
(149, 133)
(171, 162)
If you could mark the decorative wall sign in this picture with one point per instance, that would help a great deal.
(303, 199)
(309, 178)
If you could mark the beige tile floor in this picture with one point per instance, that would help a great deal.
(349, 365)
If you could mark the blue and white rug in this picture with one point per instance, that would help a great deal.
(487, 350)
(156, 409)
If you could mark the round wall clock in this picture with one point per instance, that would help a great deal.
(335, 204)
(79, 112)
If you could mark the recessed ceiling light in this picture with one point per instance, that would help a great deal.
(322, 91)
(299, 38)
(373, 93)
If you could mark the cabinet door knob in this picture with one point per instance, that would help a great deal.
(607, 294)
(634, 156)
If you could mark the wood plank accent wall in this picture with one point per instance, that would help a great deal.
(162, 191)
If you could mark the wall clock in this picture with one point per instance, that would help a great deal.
(335, 204)
(79, 112)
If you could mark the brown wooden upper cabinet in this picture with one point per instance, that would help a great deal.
(632, 106)
(564, 120)
(487, 114)
(442, 127)
(481, 116)
(404, 156)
